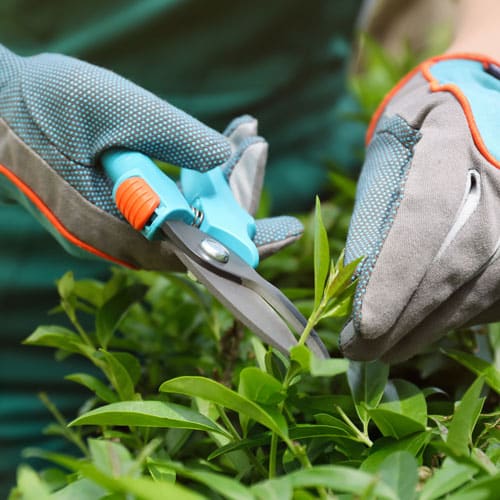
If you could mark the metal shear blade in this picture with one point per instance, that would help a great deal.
(258, 304)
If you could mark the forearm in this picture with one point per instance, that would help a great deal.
(477, 28)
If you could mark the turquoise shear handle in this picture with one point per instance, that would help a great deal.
(147, 198)
(143, 193)
(223, 217)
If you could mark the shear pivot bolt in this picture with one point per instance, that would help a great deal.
(215, 250)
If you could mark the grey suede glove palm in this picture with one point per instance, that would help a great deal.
(427, 213)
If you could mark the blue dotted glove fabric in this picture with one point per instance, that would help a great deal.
(69, 112)
(276, 229)
(379, 193)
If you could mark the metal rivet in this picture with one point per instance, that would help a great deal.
(215, 250)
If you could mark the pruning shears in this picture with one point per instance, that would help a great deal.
(212, 235)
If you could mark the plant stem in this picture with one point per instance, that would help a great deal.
(364, 438)
(70, 312)
(227, 422)
(70, 435)
(146, 452)
(315, 316)
(236, 436)
(311, 323)
(272, 455)
(297, 450)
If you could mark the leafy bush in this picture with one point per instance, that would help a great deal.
(185, 403)
(188, 404)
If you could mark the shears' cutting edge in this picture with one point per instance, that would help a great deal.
(259, 304)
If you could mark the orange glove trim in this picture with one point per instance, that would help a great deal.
(435, 86)
(52, 218)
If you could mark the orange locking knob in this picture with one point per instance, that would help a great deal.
(136, 201)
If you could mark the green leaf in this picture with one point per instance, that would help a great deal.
(367, 382)
(479, 457)
(110, 457)
(483, 489)
(53, 477)
(225, 486)
(341, 306)
(160, 471)
(274, 489)
(302, 356)
(131, 364)
(465, 418)
(210, 390)
(66, 286)
(143, 488)
(118, 376)
(494, 336)
(81, 489)
(30, 485)
(148, 414)
(90, 291)
(399, 470)
(331, 421)
(114, 285)
(95, 385)
(478, 366)
(315, 366)
(260, 352)
(402, 410)
(384, 447)
(448, 478)
(339, 478)
(260, 387)
(242, 444)
(342, 280)
(110, 315)
(328, 367)
(321, 255)
(299, 431)
(307, 431)
(57, 337)
(431, 391)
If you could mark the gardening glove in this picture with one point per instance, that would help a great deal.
(427, 213)
(58, 115)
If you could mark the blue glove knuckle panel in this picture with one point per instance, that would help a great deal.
(481, 89)
(380, 190)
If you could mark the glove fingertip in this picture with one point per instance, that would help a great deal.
(275, 233)
(245, 125)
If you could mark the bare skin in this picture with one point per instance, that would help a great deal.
(477, 28)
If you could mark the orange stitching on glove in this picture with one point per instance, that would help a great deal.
(435, 86)
(39, 203)
(424, 68)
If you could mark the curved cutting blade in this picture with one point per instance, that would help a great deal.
(259, 304)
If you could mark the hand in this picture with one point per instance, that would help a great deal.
(427, 214)
(58, 114)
